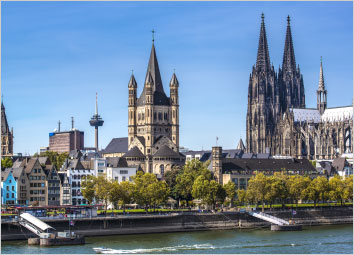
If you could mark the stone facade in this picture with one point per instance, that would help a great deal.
(277, 120)
(6, 135)
(153, 122)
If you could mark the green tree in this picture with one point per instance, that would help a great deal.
(126, 192)
(88, 184)
(56, 158)
(317, 190)
(102, 189)
(171, 180)
(184, 181)
(336, 189)
(277, 188)
(258, 187)
(114, 193)
(348, 191)
(296, 186)
(159, 193)
(241, 196)
(143, 192)
(6, 162)
(208, 190)
(230, 189)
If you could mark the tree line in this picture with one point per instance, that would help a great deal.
(195, 181)
(281, 188)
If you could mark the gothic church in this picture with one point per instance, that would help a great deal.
(278, 121)
(153, 123)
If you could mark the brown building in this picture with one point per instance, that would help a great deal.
(38, 186)
(240, 170)
(66, 141)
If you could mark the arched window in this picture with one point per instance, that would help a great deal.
(347, 141)
(162, 169)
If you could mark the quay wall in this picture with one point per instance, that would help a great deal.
(182, 222)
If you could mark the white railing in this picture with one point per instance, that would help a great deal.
(269, 218)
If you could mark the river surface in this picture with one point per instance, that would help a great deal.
(318, 239)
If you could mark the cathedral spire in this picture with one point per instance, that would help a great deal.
(289, 63)
(321, 92)
(321, 84)
(263, 62)
(160, 97)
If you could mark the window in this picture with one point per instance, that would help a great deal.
(7, 188)
(43, 177)
(7, 195)
(162, 169)
(13, 195)
(42, 184)
(10, 181)
(23, 180)
(116, 178)
(160, 115)
(123, 178)
(242, 183)
(74, 192)
(13, 188)
(123, 171)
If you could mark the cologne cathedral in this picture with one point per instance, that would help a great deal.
(278, 121)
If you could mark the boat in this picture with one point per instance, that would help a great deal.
(102, 250)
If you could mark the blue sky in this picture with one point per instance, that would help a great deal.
(56, 55)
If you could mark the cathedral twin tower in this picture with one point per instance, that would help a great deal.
(269, 94)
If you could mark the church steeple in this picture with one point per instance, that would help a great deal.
(160, 97)
(321, 92)
(263, 61)
(289, 63)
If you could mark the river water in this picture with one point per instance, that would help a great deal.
(317, 239)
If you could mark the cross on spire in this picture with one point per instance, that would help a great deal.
(288, 19)
(153, 35)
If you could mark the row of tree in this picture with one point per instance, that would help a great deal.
(195, 181)
(145, 190)
(280, 188)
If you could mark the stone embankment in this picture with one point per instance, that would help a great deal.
(182, 222)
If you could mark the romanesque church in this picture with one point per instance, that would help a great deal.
(153, 122)
(278, 121)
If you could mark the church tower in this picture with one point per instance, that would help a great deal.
(263, 99)
(132, 86)
(6, 135)
(153, 122)
(321, 92)
(290, 79)
(174, 109)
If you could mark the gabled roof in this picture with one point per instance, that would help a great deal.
(117, 145)
(267, 164)
(31, 164)
(75, 154)
(46, 162)
(339, 164)
(141, 139)
(134, 152)
(5, 173)
(17, 171)
(116, 162)
(166, 151)
(160, 97)
(73, 164)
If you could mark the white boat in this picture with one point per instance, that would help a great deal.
(102, 250)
